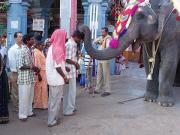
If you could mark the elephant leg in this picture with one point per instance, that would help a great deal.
(177, 80)
(152, 86)
(167, 73)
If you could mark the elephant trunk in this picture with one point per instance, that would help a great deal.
(108, 53)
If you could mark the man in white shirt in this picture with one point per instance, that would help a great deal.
(12, 59)
(56, 75)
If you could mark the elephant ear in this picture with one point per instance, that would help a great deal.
(165, 8)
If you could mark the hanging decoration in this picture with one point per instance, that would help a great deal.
(116, 8)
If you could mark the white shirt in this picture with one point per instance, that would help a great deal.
(53, 77)
(100, 47)
(12, 57)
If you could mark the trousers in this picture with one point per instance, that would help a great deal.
(54, 103)
(14, 89)
(103, 77)
(88, 82)
(69, 97)
(26, 95)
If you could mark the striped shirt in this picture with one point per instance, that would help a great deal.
(87, 57)
(24, 58)
(87, 60)
(71, 53)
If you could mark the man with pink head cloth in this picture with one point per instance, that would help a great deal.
(56, 75)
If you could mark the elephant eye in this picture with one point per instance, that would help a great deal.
(140, 16)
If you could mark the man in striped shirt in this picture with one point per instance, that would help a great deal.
(88, 67)
(69, 98)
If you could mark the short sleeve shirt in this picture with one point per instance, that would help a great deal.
(53, 77)
(87, 58)
(12, 57)
(71, 53)
(24, 58)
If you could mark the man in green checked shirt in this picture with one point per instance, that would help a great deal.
(26, 71)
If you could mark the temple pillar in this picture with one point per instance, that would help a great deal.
(17, 19)
(46, 18)
(68, 15)
(85, 6)
(95, 15)
(73, 16)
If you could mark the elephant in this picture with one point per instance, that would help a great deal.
(148, 24)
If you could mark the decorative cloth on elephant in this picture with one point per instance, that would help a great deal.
(125, 18)
(177, 5)
(177, 14)
(58, 40)
(175, 11)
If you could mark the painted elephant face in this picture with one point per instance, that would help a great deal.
(144, 24)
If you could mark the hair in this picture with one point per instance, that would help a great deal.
(31, 35)
(78, 34)
(16, 33)
(39, 43)
(25, 39)
(105, 29)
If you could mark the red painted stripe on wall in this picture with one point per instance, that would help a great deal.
(73, 16)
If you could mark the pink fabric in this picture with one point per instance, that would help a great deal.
(113, 43)
(58, 40)
(40, 88)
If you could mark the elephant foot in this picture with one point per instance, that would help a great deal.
(150, 97)
(166, 101)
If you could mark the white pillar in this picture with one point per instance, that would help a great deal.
(65, 15)
(68, 15)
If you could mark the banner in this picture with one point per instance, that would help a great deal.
(38, 24)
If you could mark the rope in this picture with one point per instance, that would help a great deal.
(152, 60)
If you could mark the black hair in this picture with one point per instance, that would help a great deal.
(31, 35)
(78, 34)
(39, 43)
(105, 29)
(16, 33)
(25, 39)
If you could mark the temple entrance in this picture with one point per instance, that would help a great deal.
(54, 16)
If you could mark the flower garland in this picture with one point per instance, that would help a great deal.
(116, 8)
